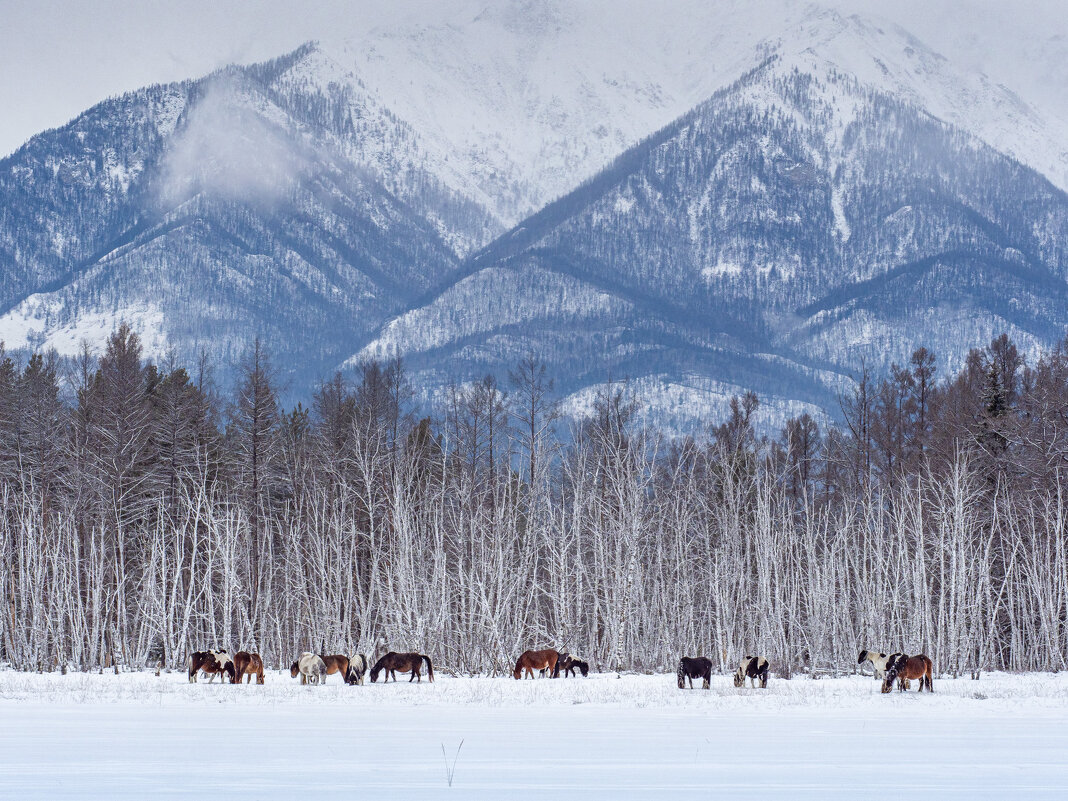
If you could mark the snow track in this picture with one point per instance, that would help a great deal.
(136, 736)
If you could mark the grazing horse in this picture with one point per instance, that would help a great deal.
(213, 663)
(405, 663)
(569, 664)
(878, 661)
(904, 668)
(246, 664)
(752, 668)
(695, 667)
(358, 666)
(310, 667)
(337, 663)
(530, 661)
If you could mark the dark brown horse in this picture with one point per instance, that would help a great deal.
(405, 663)
(694, 667)
(248, 665)
(214, 663)
(567, 665)
(338, 663)
(904, 668)
(530, 661)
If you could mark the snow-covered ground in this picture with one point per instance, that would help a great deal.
(138, 736)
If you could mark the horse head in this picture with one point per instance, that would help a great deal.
(888, 679)
(294, 671)
(374, 674)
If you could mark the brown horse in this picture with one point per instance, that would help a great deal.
(338, 663)
(214, 663)
(530, 661)
(904, 668)
(248, 665)
(405, 663)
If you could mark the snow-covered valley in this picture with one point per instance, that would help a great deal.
(137, 736)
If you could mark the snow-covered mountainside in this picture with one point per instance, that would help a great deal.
(796, 223)
(345, 199)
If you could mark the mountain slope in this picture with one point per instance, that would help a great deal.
(247, 203)
(796, 223)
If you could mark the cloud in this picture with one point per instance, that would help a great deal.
(229, 146)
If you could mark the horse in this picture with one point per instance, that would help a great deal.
(569, 664)
(530, 661)
(695, 667)
(248, 665)
(904, 668)
(336, 663)
(310, 667)
(213, 663)
(752, 668)
(405, 663)
(358, 665)
(878, 661)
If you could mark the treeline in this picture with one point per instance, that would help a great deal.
(145, 515)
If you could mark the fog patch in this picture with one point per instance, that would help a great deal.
(233, 144)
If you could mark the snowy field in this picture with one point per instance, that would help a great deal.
(137, 736)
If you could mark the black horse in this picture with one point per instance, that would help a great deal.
(695, 667)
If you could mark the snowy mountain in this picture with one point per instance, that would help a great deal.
(346, 200)
(798, 222)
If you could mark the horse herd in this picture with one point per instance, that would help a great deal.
(314, 668)
(311, 668)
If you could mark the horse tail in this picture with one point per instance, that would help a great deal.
(429, 667)
(681, 677)
(927, 675)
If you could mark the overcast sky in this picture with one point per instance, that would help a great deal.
(59, 58)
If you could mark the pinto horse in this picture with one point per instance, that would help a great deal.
(530, 661)
(752, 668)
(878, 661)
(358, 665)
(904, 668)
(310, 667)
(405, 663)
(248, 665)
(694, 667)
(213, 663)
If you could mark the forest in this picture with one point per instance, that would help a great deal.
(147, 513)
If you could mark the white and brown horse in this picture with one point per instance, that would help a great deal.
(248, 665)
(752, 668)
(310, 667)
(212, 663)
(878, 661)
